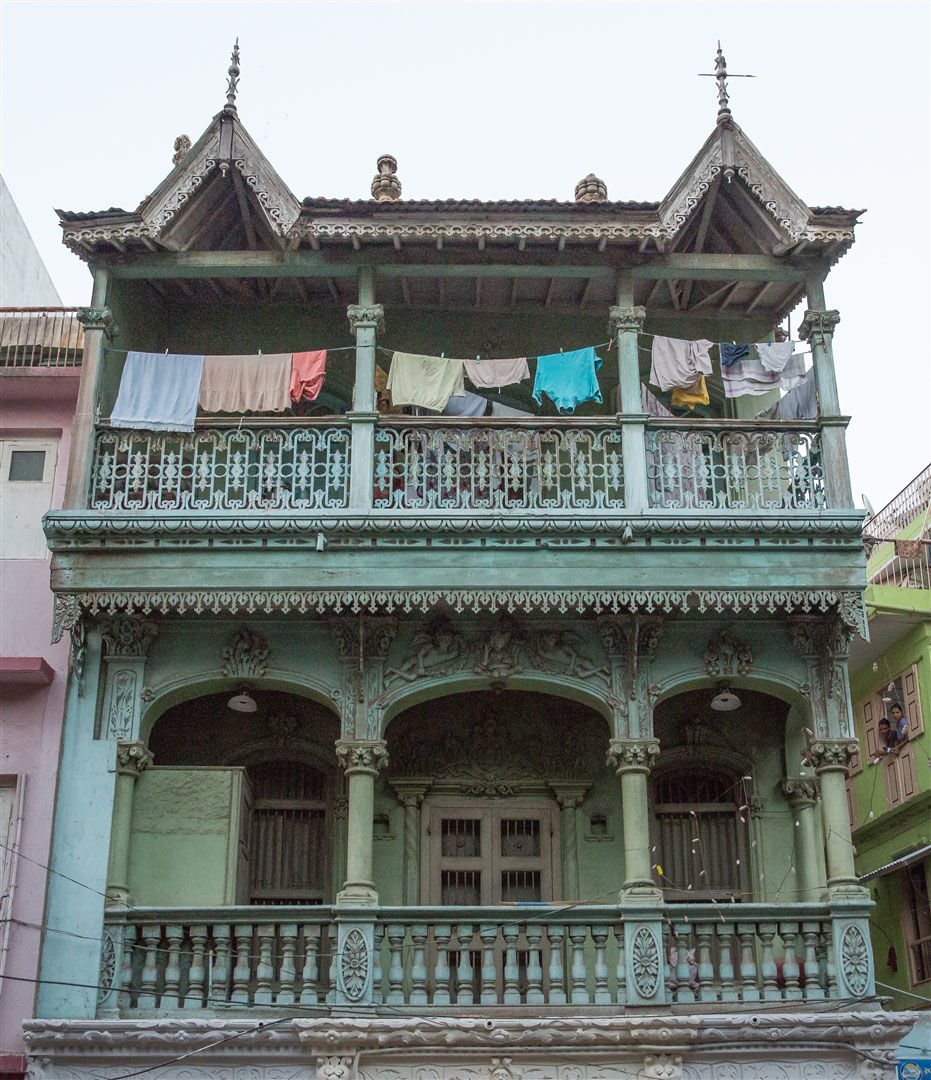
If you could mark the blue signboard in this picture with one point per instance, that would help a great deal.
(915, 1069)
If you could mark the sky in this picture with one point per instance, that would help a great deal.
(512, 100)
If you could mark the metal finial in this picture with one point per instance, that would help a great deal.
(720, 73)
(233, 81)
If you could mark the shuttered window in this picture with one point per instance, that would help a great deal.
(916, 919)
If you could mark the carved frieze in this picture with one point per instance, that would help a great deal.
(127, 635)
(246, 656)
(726, 656)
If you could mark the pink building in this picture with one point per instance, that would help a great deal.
(40, 357)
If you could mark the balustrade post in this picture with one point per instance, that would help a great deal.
(569, 797)
(355, 914)
(626, 322)
(99, 329)
(410, 795)
(365, 318)
(802, 795)
(131, 759)
(818, 329)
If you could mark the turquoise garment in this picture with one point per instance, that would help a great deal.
(568, 379)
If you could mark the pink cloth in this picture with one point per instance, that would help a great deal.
(494, 373)
(307, 371)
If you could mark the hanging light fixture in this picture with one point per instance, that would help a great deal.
(242, 701)
(725, 700)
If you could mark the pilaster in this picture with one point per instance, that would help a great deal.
(625, 323)
(365, 319)
(410, 794)
(126, 641)
(802, 797)
(569, 797)
(99, 329)
(132, 758)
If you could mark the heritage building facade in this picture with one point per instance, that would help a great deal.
(394, 732)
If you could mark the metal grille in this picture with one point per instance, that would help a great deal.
(217, 468)
(498, 467)
(461, 837)
(735, 470)
(461, 887)
(520, 837)
(520, 885)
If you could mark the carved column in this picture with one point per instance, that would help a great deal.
(126, 640)
(631, 760)
(340, 815)
(569, 796)
(802, 796)
(365, 318)
(362, 761)
(410, 795)
(131, 759)
(830, 759)
(818, 329)
(626, 322)
(99, 329)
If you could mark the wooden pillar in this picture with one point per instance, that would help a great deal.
(626, 322)
(99, 329)
(802, 796)
(131, 759)
(410, 794)
(818, 328)
(362, 761)
(569, 796)
(366, 318)
(631, 760)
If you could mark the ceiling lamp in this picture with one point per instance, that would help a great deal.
(725, 700)
(242, 702)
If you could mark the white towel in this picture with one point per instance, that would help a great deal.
(158, 392)
(497, 373)
(774, 356)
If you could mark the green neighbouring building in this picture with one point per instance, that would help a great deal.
(508, 743)
(890, 789)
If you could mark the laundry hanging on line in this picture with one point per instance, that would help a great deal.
(488, 374)
(568, 379)
(427, 381)
(240, 384)
(308, 370)
(678, 363)
(691, 396)
(158, 392)
(730, 354)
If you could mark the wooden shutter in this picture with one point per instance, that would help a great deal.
(890, 767)
(912, 701)
(870, 714)
(908, 784)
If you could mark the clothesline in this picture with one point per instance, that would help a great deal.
(336, 348)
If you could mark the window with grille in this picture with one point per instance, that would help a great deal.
(700, 834)
(288, 837)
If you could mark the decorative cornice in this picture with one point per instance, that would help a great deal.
(246, 656)
(98, 319)
(132, 758)
(127, 636)
(831, 753)
(848, 603)
(818, 325)
(362, 755)
(365, 229)
(626, 320)
(632, 755)
(362, 317)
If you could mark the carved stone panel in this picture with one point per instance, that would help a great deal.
(246, 656)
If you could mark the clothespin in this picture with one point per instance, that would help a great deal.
(478, 359)
(260, 352)
(166, 352)
(442, 356)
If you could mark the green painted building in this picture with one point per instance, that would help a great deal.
(503, 745)
(890, 787)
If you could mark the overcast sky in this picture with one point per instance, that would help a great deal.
(518, 100)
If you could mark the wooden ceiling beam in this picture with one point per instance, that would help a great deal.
(586, 289)
(478, 291)
(549, 292)
(406, 291)
(713, 296)
(701, 233)
(758, 296)
(334, 290)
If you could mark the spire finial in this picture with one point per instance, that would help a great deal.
(720, 73)
(233, 81)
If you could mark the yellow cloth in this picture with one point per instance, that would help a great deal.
(238, 384)
(427, 381)
(696, 394)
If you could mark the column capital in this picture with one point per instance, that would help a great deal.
(817, 325)
(801, 792)
(127, 636)
(831, 754)
(362, 755)
(626, 320)
(132, 758)
(410, 792)
(366, 317)
(570, 794)
(632, 755)
(98, 318)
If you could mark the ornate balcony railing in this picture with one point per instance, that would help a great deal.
(222, 468)
(560, 956)
(704, 465)
(498, 466)
(911, 502)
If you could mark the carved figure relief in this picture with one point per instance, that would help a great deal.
(127, 635)
(726, 655)
(246, 657)
(645, 963)
(354, 965)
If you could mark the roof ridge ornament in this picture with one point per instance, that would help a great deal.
(232, 83)
(721, 75)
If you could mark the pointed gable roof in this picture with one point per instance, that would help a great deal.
(225, 146)
(730, 154)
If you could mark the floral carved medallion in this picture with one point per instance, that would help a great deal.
(855, 961)
(644, 959)
(354, 965)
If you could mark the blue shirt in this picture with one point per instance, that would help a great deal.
(567, 379)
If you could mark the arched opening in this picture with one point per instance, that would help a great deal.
(238, 807)
(716, 780)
